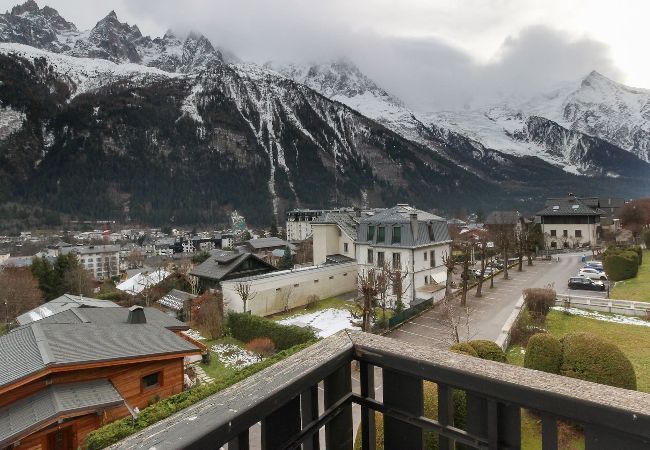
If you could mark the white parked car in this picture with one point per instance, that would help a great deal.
(592, 273)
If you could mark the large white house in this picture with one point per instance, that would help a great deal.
(409, 239)
(570, 222)
(334, 235)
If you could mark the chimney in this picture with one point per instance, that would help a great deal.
(414, 224)
(136, 315)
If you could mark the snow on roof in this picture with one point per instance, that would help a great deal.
(141, 281)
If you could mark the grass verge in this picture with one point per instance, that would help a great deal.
(637, 288)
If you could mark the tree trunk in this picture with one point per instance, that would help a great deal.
(505, 263)
(463, 300)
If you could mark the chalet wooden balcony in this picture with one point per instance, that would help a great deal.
(283, 407)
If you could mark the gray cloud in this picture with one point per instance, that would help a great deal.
(427, 73)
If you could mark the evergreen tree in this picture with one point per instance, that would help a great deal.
(286, 262)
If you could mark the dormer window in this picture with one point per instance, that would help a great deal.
(371, 233)
(397, 235)
(381, 234)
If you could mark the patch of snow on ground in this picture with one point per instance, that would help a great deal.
(193, 334)
(615, 318)
(234, 357)
(10, 121)
(325, 322)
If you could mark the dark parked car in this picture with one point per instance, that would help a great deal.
(586, 284)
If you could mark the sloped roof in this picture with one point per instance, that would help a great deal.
(63, 303)
(348, 222)
(570, 206)
(502, 218)
(30, 413)
(261, 243)
(221, 263)
(175, 298)
(141, 281)
(72, 338)
(400, 216)
(114, 316)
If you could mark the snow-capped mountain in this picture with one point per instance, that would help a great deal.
(109, 39)
(571, 128)
(110, 123)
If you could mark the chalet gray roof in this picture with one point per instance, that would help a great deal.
(30, 413)
(348, 221)
(175, 298)
(107, 317)
(502, 218)
(221, 263)
(268, 242)
(34, 347)
(429, 228)
(399, 214)
(63, 303)
(570, 206)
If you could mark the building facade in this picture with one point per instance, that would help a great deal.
(102, 261)
(409, 240)
(570, 223)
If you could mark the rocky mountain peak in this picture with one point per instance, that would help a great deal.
(30, 6)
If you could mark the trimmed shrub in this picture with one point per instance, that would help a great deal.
(247, 327)
(115, 431)
(464, 348)
(589, 357)
(621, 265)
(544, 352)
(488, 350)
(538, 302)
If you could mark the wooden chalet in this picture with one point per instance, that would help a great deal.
(67, 374)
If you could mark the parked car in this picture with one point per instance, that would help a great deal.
(598, 268)
(496, 265)
(586, 284)
(488, 271)
(594, 264)
(594, 274)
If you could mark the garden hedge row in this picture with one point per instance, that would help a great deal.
(621, 265)
(246, 327)
(115, 431)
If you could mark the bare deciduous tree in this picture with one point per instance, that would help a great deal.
(367, 282)
(78, 281)
(19, 292)
(244, 292)
(482, 244)
(208, 314)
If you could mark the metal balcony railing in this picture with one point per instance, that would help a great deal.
(284, 407)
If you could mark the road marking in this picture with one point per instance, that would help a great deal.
(421, 335)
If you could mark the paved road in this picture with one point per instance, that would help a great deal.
(488, 314)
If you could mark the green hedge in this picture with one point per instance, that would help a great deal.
(621, 265)
(544, 352)
(464, 348)
(120, 429)
(589, 357)
(246, 327)
(646, 238)
(488, 350)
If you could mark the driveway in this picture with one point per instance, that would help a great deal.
(488, 314)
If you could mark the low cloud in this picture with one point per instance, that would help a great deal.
(383, 38)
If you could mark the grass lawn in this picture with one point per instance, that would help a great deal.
(631, 339)
(637, 288)
(216, 369)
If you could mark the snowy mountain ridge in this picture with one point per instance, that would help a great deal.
(109, 39)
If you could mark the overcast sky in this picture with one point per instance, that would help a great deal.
(431, 53)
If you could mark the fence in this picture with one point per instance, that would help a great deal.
(409, 312)
(627, 307)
